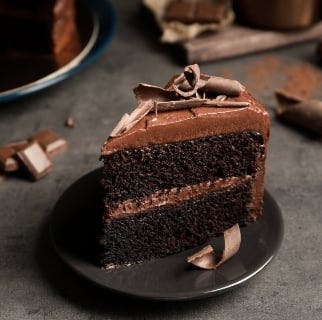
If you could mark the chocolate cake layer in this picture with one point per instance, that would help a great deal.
(142, 171)
(172, 228)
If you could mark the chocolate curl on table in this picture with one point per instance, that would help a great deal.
(206, 259)
(297, 111)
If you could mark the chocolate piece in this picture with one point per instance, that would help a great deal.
(18, 145)
(304, 113)
(70, 122)
(35, 160)
(195, 11)
(205, 258)
(129, 121)
(8, 162)
(51, 142)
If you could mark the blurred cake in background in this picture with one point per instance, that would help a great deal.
(182, 20)
(44, 27)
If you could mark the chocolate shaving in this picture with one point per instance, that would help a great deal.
(129, 121)
(221, 97)
(206, 259)
(144, 92)
(184, 91)
(296, 111)
(197, 102)
(218, 85)
(186, 84)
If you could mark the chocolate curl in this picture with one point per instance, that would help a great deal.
(144, 92)
(232, 238)
(304, 113)
(198, 102)
(218, 85)
(129, 121)
(190, 76)
(205, 258)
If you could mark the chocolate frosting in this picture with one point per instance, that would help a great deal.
(208, 119)
(181, 125)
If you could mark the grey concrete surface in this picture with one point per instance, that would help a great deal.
(34, 284)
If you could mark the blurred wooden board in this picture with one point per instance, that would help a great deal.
(239, 40)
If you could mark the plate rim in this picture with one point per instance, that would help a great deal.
(154, 297)
(95, 46)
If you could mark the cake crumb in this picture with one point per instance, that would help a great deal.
(70, 122)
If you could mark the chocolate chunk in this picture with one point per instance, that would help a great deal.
(195, 11)
(303, 113)
(35, 160)
(206, 259)
(18, 145)
(51, 142)
(8, 161)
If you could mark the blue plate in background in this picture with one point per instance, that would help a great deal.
(96, 26)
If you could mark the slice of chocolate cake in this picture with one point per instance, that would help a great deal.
(184, 166)
(45, 27)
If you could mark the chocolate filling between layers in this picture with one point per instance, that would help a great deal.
(170, 197)
(140, 172)
(173, 228)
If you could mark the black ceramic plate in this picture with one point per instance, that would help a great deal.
(171, 278)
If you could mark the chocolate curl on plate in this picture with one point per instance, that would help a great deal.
(304, 113)
(232, 238)
(205, 258)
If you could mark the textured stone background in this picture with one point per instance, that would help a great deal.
(34, 284)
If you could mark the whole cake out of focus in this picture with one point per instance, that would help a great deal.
(43, 27)
(184, 166)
